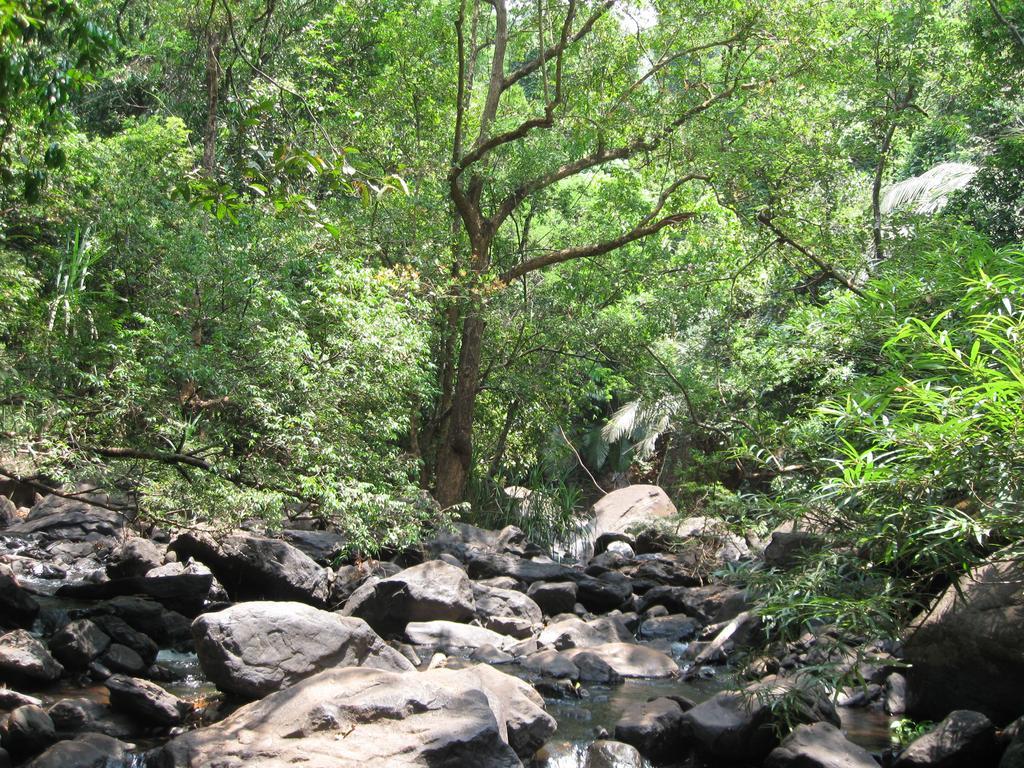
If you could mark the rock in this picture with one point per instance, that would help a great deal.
(184, 592)
(518, 708)
(506, 611)
(631, 660)
(552, 664)
(121, 658)
(148, 617)
(8, 512)
(621, 548)
(594, 669)
(604, 593)
(439, 718)
(12, 699)
(90, 750)
(81, 715)
(135, 557)
(672, 628)
(653, 727)
(573, 632)
(555, 597)
(78, 643)
(23, 658)
(123, 633)
(895, 694)
(146, 701)
(323, 547)
(612, 754)
(257, 568)
(741, 631)
(69, 520)
(453, 638)
(963, 740)
(739, 727)
(431, 591)
(981, 620)
(787, 548)
(253, 649)
(27, 731)
(486, 565)
(819, 745)
(18, 609)
(629, 509)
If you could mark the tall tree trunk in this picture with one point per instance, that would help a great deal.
(455, 454)
(212, 97)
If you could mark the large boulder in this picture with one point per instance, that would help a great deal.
(819, 745)
(630, 660)
(573, 632)
(253, 649)
(965, 653)
(25, 659)
(90, 750)
(506, 611)
(18, 609)
(135, 557)
(357, 717)
(324, 547)
(70, 520)
(554, 597)
(146, 701)
(632, 507)
(431, 591)
(27, 731)
(77, 643)
(964, 739)
(257, 568)
(487, 565)
(653, 727)
(183, 592)
(742, 727)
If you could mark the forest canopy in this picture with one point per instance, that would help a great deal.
(374, 261)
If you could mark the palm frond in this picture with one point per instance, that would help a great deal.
(622, 422)
(929, 192)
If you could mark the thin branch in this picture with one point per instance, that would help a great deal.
(1014, 31)
(765, 218)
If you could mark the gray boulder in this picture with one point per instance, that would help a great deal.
(431, 591)
(135, 557)
(819, 745)
(253, 649)
(672, 628)
(964, 739)
(77, 643)
(965, 653)
(27, 731)
(18, 609)
(628, 509)
(555, 597)
(440, 718)
(453, 638)
(23, 658)
(612, 754)
(90, 750)
(257, 568)
(573, 632)
(69, 520)
(653, 727)
(630, 660)
(145, 701)
(506, 611)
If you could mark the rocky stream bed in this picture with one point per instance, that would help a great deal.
(125, 647)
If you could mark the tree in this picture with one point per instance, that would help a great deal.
(585, 96)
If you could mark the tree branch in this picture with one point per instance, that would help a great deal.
(1014, 31)
(765, 218)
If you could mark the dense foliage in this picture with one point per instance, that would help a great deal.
(321, 258)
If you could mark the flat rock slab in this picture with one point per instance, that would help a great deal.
(450, 637)
(819, 745)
